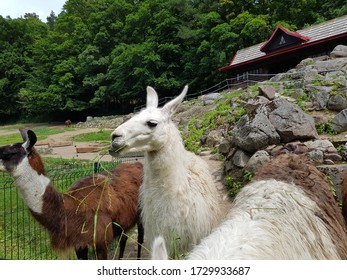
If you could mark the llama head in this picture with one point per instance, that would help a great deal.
(12, 155)
(147, 131)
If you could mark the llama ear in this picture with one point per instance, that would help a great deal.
(159, 251)
(152, 98)
(29, 138)
(171, 107)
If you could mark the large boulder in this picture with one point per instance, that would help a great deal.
(322, 145)
(319, 96)
(271, 123)
(240, 158)
(330, 65)
(335, 173)
(339, 51)
(325, 147)
(257, 160)
(339, 122)
(254, 134)
(210, 98)
(290, 122)
(267, 91)
(337, 102)
(213, 138)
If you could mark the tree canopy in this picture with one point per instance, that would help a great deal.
(98, 56)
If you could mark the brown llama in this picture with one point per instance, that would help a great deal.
(344, 196)
(90, 214)
(68, 123)
(286, 212)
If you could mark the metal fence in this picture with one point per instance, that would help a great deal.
(23, 238)
(249, 80)
(231, 83)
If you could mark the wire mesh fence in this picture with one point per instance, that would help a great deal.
(292, 82)
(23, 238)
(231, 83)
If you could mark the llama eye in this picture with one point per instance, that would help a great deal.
(152, 124)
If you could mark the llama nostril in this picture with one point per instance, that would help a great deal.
(114, 137)
(116, 145)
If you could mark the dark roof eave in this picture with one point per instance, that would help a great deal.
(283, 51)
(290, 33)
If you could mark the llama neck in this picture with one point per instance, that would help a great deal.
(170, 158)
(168, 162)
(31, 185)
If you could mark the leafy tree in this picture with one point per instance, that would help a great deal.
(98, 56)
(328, 9)
(16, 39)
(255, 31)
(51, 20)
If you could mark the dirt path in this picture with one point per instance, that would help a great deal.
(70, 151)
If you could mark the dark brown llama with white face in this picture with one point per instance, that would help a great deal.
(91, 213)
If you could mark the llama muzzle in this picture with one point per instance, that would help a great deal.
(116, 149)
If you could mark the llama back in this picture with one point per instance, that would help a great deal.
(127, 179)
(102, 199)
(267, 221)
(344, 196)
(293, 216)
(299, 170)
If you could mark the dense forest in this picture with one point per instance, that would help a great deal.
(97, 56)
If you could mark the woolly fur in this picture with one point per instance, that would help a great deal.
(270, 220)
(287, 212)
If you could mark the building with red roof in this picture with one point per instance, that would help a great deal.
(285, 49)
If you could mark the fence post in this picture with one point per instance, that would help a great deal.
(97, 167)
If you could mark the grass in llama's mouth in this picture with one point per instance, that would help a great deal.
(115, 151)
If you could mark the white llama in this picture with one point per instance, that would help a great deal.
(178, 197)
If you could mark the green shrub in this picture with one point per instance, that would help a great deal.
(247, 175)
(192, 138)
(220, 115)
(325, 128)
(301, 99)
(233, 186)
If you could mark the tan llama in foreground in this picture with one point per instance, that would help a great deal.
(91, 213)
(344, 196)
(287, 212)
(179, 199)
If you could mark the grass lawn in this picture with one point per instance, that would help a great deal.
(102, 136)
(41, 132)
